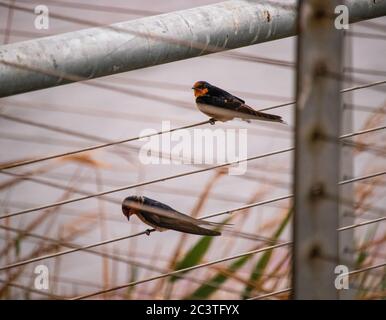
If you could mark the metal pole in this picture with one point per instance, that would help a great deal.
(318, 112)
(102, 51)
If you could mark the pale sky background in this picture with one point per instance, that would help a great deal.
(173, 80)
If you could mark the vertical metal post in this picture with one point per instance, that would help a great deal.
(316, 176)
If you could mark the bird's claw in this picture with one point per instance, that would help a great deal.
(148, 231)
(212, 121)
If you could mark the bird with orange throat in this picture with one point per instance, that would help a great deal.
(222, 106)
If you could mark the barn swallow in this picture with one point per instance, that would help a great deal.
(162, 217)
(223, 106)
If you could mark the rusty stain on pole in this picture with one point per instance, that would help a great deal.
(101, 51)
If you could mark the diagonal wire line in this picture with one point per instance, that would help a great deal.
(112, 143)
(354, 88)
(260, 203)
(103, 145)
(78, 134)
(99, 113)
(102, 85)
(65, 131)
(183, 270)
(290, 65)
(20, 263)
(27, 176)
(364, 269)
(231, 233)
(362, 224)
(364, 108)
(146, 183)
(124, 260)
(80, 248)
(19, 286)
(366, 147)
(87, 247)
(211, 263)
(173, 177)
(379, 151)
(131, 139)
(369, 176)
(366, 208)
(349, 135)
(271, 294)
(98, 7)
(363, 86)
(353, 272)
(186, 174)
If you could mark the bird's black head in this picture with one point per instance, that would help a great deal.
(201, 88)
(131, 205)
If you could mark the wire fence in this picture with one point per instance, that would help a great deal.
(276, 286)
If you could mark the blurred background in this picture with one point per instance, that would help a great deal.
(73, 116)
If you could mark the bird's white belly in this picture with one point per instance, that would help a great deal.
(217, 113)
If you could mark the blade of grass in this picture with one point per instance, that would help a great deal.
(265, 258)
(196, 253)
(361, 259)
(206, 290)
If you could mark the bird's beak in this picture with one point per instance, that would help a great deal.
(192, 88)
(127, 215)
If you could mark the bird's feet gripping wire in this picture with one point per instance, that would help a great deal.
(212, 121)
(148, 231)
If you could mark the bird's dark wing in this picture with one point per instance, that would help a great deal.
(221, 102)
(231, 104)
(178, 224)
(172, 219)
(154, 203)
(236, 107)
(167, 210)
(216, 91)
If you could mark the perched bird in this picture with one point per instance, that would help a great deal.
(223, 106)
(162, 217)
